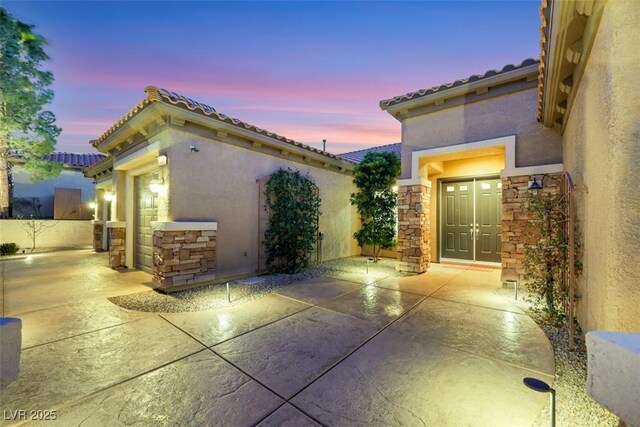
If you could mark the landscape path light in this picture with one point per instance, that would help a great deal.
(542, 387)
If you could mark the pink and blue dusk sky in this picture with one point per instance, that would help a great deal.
(305, 70)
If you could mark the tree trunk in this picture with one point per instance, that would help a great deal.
(4, 180)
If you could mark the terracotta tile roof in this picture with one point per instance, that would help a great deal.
(424, 92)
(155, 94)
(79, 160)
(357, 156)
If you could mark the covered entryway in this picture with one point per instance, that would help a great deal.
(146, 210)
(471, 212)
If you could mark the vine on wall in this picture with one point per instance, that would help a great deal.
(294, 204)
(546, 255)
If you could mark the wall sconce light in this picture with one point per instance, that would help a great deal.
(394, 188)
(109, 196)
(92, 205)
(156, 185)
(536, 183)
(162, 160)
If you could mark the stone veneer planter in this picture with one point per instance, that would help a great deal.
(117, 238)
(184, 253)
(515, 226)
(413, 225)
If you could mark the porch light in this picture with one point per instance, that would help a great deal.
(162, 160)
(92, 205)
(156, 185)
(109, 196)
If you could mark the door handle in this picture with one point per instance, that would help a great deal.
(472, 232)
(477, 231)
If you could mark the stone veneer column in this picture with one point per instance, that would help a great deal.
(413, 225)
(184, 254)
(516, 232)
(98, 232)
(117, 237)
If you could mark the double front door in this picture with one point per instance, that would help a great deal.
(471, 211)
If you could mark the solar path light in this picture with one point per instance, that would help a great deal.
(542, 387)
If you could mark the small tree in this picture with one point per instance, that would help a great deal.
(25, 128)
(376, 201)
(294, 204)
(34, 227)
(546, 257)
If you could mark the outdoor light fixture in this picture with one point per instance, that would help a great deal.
(109, 196)
(394, 188)
(162, 160)
(542, 387)
(156, 185)
(92, 205)
(536, 183)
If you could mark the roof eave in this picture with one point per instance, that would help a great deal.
(566, 46)
(258, 139)
(397, 109)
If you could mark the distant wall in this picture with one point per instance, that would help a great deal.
(66, 233)
(23, 187)
(602, 152)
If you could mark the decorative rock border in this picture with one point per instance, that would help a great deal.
(184, 253)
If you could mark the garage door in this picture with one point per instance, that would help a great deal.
(146, 211)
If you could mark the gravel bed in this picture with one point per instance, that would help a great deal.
(574, 407)
(244, 290)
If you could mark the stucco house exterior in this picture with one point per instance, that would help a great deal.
(472, 148)
(181, 193)
(66, 196)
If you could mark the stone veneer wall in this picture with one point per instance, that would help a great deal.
(515, 227)
(117, 247)
(182, 258)
(413, 228)
(98, 231)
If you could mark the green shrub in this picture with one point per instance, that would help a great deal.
(8, 249)
(376, 201)
(294, 205)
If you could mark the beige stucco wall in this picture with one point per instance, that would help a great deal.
(511, 114)
(219, 184)
(63, 233)
(602, 151)
(471, 168)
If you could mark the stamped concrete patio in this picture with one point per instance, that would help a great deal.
(441, 348)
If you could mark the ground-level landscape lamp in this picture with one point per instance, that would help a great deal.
(542, 387)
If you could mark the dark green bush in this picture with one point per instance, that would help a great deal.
(376, 201)
(8, 249)
(294, 205)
